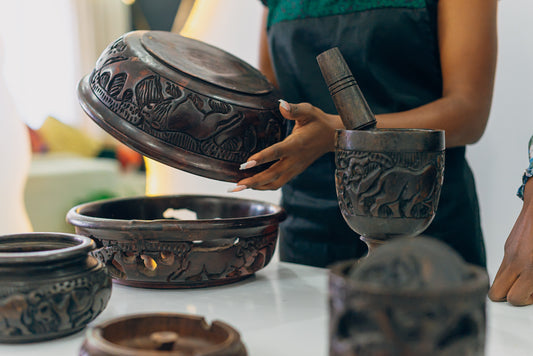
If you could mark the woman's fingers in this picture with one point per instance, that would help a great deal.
(269, 154)
(273, 177)
(302, 112)
(522, 289)
(311, 137)
(503, 281)
(513, 283)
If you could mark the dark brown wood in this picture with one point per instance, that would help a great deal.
(165, 334)
(350, 103)
(230, 240)
(410, 297)
(184, 103)
(49, 286)
(389, 180)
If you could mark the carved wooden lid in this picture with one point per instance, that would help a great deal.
(205, 62)
(165, 334)
(183, 102)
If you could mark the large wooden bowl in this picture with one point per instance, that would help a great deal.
(228, 240)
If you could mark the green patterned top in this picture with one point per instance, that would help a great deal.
(286, 10)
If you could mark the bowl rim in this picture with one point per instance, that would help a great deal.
(75, 246)
(476, 285)
(78, 219)
(94, 336)
(420, 140)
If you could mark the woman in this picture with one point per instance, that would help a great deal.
(419, 63)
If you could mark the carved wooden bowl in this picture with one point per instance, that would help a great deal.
(227, 240)
(49, 286)
(183, 102)
(411, 296)
(389, 180)
(163, 334)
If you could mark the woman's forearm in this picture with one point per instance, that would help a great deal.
(468, 48)
(462, 121)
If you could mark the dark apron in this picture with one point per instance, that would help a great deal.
(392, 49)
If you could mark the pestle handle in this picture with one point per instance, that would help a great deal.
(347, 97)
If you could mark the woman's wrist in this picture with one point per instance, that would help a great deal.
(335, 123)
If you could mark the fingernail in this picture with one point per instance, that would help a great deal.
(248, 164)
(237, 188)
(285, 105)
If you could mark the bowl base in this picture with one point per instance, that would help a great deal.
(188, 285)
(37, 338)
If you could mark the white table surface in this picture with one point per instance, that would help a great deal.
(282, 310)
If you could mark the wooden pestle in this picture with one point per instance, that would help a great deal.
(347, 97)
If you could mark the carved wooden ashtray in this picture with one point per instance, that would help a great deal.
(184, 103)
(49, 286)
(411, 296)
(165, 334)
(145, 242)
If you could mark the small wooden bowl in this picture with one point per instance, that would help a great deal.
(49, 286)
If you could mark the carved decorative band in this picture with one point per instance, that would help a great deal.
(54, 309)
(176, 115)
(389, 184)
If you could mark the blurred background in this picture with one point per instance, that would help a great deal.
(54, 156)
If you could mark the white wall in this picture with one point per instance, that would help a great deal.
(14, 138)
(500, 157)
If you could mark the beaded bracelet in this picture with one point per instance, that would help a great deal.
(528, 173)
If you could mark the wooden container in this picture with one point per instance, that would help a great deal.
(184, 103)
(412, 296)
(388, 181)
(228, 239)
(49, 286)
(162, 334)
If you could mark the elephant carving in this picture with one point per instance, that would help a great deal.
(398, 192)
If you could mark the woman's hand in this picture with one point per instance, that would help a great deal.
(313, 135)
(514, 280)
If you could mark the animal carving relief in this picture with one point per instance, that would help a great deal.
(176, 115)
(185, 262)
(59, 307)
(389, 184)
